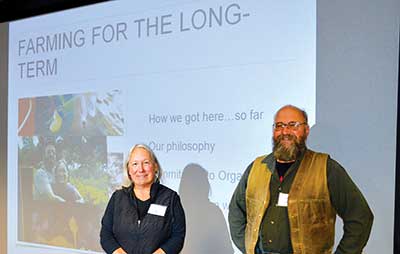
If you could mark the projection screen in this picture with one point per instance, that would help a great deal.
(197, 81)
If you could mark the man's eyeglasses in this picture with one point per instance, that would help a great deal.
(290, 125)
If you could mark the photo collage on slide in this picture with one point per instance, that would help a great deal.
(66, 173)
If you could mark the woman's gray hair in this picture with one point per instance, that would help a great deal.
(152, 156)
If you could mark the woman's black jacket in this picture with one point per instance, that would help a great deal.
(122, 228)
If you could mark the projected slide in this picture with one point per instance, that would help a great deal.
(88, 114)
(197, 81)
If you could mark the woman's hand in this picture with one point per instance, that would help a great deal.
(159, 251)
(119, 251)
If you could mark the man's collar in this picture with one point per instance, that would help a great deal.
(271, 161)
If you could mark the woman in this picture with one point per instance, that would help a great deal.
(146, 217)
(62, 187)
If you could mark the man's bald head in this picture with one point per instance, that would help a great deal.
(291, 108)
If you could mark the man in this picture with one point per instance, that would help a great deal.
(44, 176)
(287, 201)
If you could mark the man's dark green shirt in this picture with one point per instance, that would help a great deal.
(274, 235)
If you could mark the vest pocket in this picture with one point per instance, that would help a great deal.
(319, 238)
(314, 211)
(318, 233)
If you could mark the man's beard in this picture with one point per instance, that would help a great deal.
(291, 152)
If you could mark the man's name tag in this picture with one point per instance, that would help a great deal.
(157, 209)
(282, 199)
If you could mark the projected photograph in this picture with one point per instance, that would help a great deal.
(64, 186)
(89, 114)
(115, 172)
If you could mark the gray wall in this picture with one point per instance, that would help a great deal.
(357, 65)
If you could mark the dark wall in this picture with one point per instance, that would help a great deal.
(17, 9)
(397, 195)
(3, 136)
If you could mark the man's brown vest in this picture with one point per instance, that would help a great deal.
(311, 215)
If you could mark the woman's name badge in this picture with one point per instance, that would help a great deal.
(282, 199)
(157, 209)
